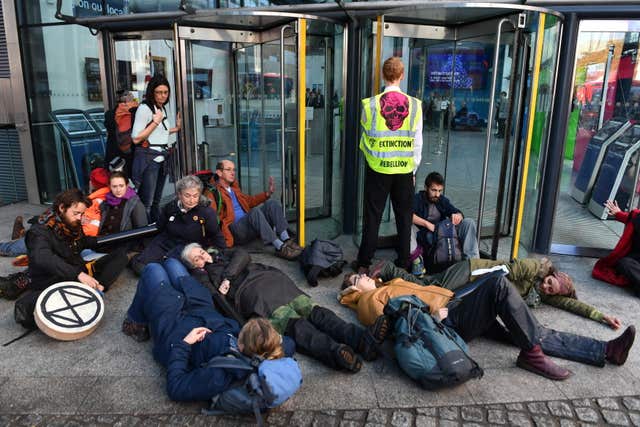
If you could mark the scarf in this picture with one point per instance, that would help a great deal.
(54, 222)
(112, 200)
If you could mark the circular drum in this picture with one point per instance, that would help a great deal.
(68, 311)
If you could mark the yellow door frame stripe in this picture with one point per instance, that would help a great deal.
(302, 123)
(515, 244)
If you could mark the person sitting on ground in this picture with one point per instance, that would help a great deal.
(257, 290)
(243, 220)
(177, 312)
(99, 183)
(54, 245)
(188, 218)
(537, 281)
(622, 266)
(476, 315)
(430, 207)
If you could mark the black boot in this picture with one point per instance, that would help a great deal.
(13, 285)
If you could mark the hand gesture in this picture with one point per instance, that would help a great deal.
(272, 186)
(158, 116)
(613, 322)
(442, 314)
(612, 206)
(178, 121)
(90, 281)
(196, 335)
(224, 287)
(456, 218)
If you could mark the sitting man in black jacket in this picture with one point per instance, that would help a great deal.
(53, 246)
(257, 290)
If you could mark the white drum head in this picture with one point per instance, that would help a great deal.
(68, 311)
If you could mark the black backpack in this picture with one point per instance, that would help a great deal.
(321, 258)
(445, 249)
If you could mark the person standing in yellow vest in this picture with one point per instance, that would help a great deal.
(391, 142)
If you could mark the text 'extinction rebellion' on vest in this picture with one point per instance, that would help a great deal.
(395, 144)
(393, 163)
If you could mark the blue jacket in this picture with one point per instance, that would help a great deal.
(421, 206)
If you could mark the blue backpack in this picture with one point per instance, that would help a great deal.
(269, 383)
(430, 352)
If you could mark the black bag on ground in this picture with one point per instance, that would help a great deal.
(321, 258)
(446, 245)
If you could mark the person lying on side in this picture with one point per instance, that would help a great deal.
(476, 315)
(178, 314)
(257, 290)
(537, 282)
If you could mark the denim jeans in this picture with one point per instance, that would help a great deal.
(13, 247)
(151, 187)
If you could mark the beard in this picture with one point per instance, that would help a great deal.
(74, 225)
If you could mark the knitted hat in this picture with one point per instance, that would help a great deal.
(99, 178)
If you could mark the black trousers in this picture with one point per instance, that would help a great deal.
(476, 316)
(377, 187)
(320, 335)
(629, 267)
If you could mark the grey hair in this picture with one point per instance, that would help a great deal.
(184, 255)
(187, 182)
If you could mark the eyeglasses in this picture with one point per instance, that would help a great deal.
(229, 169)
(161, 92)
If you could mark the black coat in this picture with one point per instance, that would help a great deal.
(256, 290)
(53, 259)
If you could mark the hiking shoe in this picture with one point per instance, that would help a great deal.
(617, 349)
(20, 261)
(289, 250)
(18, 228)
(372, 337)
(347, 359)
(536, 361)
(13, 285)
(417, 268)
(137, 331)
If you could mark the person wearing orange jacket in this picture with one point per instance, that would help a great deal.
(243, 220)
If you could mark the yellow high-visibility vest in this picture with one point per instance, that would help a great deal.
(389, 132)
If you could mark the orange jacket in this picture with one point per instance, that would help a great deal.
(91, 219)
(226, 214)
(370, 304)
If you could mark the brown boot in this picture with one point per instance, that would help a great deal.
(289, 250)
(18, 229)
(536, 361)
(617, 349)
(347, 359)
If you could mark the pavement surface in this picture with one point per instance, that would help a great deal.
(109, 379)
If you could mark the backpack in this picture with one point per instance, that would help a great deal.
(269, 383)
(321, 258)
(428, 351)
(445, 249)
(124, 115)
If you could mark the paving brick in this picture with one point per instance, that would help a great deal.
(279, 418)
(497, 416)
(514, 406)
(473, 414)
(402, 419)
(588, 415)
(631, 403)
(448, 423)
(427, 411)
(378, 416)
(301, 419)
(608, 403)
(324, 420)
(448, 413)
(582, 402)
(350, 423)
(538, 408)
(615, 417)
(568, 423)
(519, 419)
(543, 421)
(354, 415)
(560, 409)
(635, 418)
(426, 421)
